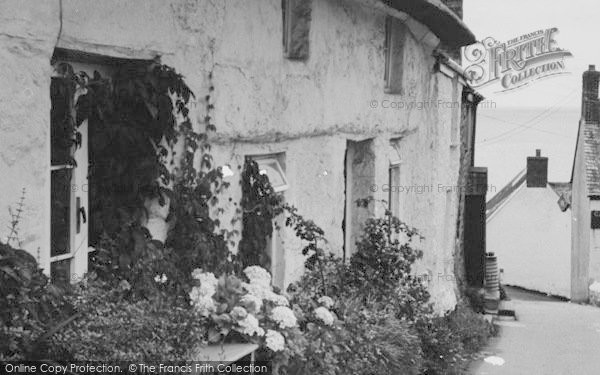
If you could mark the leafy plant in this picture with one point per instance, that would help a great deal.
(260, 205)
(15, 220)
(449, 341)
(30, 306)
(135, 118)
(386, 321)
(368, 338)
(110, 327)
(132, 118)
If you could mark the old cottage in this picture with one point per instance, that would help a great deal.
(529, 229)
(362, 98)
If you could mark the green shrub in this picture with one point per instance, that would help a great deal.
(30, 305)
(474, 331)
(449, 341)
(375, 299)
(379, 343)
(368, 339)
(387, 325)
(109, 327)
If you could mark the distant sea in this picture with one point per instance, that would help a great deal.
(506, 136)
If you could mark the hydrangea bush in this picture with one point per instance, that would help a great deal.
(248, 310)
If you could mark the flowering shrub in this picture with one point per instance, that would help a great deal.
(275, 341)
(347, 332)
(236, 310)
(324, 315)
(371, 316)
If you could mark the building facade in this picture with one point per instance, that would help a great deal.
(359, 100)
(529, 229)
(585, 256)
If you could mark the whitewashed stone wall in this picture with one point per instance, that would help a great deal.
(263, 102)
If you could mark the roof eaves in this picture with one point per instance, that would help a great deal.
(440, 19)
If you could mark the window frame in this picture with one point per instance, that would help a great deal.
(270, 160)
(296, 19)
(395, 34)
(275, 242)
(286, 12)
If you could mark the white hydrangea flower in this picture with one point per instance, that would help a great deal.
(205, 305)
(258, 275)
(326, 301)
(325, 315)
(195, 294)
(161, 279)
(275, 341)
(208, 282)
(284, 317)
(249, 326)
(251, 302)
(258, 290)
(238, 313)
(196, 273)
(277, 299)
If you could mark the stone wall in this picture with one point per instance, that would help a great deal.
(28, 33)
(264, 103)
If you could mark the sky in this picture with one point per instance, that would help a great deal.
(543, 115)
(578, 25)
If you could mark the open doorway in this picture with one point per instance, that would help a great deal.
(104, 165)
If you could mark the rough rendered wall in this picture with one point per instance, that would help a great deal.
(27, 36)
(263, 103)
(329, 98)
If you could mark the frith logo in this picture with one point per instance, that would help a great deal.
(517, 62)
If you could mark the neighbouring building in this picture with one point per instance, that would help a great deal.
(361, 99)
(529, 229)
(585, 252)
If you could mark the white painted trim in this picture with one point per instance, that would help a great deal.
(58, 258)
(74, 44)
(61, 166)
(275, 162)
(446, 70)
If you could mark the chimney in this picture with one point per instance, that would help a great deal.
(456, 6)
(590, 106)
(537, 170)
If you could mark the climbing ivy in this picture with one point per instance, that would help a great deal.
(136, 118)
(260, 205)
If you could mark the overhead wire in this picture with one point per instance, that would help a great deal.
(529, 124)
